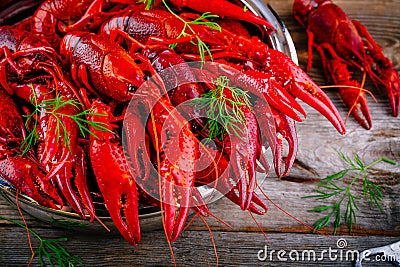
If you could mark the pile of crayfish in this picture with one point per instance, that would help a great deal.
(75, 118)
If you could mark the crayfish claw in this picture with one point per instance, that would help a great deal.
(118, 188)
(351, 92)
(122, 204)
(199, 205)
(65, 186)
(255, 201)
(136, 142)
(286, 127)
(303, 87)
(393, 91)
(357, 103)
(113, 175)
(224, 8)
(26, 176)
(389, 79)
(176, 201)
(81, 183)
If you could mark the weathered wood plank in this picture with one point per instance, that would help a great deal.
(194, 248)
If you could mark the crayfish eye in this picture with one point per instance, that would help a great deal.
(131, 88)
(352, 57)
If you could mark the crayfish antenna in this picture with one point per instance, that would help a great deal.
(199, 214)
(259, 226)
(293, 217)
(212, 239)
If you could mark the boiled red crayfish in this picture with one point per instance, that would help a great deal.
(344, 43)
(24, 173)
(42, 78)
(111, 51)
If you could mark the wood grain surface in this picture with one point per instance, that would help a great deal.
(240, 245)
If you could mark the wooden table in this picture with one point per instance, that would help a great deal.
(241, 245)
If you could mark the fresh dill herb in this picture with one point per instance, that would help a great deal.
(224, 113)
(245, 8)
(189, 31)
(346, 195)
(50, 250)
(54, 108)
(149, 3)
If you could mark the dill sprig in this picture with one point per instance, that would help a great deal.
(188, 31)
(346, 195)
(225, 114)
(149, 3)
(50, 250)
(54, 108)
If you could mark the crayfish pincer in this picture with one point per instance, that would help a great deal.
(344, 43)
(116, 183)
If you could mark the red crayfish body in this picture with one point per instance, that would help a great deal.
(101, 65)
(343, 42)
(45, 21)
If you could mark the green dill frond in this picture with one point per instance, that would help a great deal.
(189, 31)
(345, 192)
(50, 251)
(225, 114)
(54, 107)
